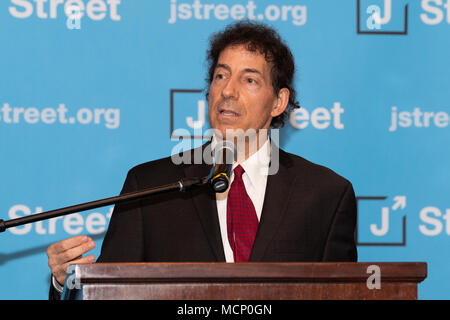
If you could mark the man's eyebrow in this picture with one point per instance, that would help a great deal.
(224, 66)
(253, 71)
(250, 70)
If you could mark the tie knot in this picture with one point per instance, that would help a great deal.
(238, 172)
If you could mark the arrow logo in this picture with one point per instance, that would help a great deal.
(400, 202)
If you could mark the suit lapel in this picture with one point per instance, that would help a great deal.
(278, 190)
(205, 204)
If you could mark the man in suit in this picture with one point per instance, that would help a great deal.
(303, 212)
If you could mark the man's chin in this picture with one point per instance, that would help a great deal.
(228, 132)
(231, 133)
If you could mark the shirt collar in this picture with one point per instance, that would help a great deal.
(257, 165)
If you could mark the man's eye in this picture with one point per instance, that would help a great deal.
(250, 80)
(219, 76)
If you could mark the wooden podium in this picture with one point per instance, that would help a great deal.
(244, 281)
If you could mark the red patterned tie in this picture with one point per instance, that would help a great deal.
(242, 222)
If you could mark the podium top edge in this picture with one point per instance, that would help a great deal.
(250, 271)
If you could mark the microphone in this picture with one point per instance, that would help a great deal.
(219, 176)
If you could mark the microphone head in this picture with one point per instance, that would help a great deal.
(224, 156)
(220, 182)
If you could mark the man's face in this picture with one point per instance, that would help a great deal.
(241, 95)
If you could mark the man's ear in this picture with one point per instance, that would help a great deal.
(281, 102)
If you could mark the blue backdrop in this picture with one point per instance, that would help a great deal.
(83, 99)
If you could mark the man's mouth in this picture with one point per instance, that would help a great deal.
(228, 113)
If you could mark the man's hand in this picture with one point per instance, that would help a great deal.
(69, 251)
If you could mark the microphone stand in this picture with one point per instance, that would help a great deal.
(181, 185)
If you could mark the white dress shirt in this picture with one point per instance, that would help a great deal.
(256, 169)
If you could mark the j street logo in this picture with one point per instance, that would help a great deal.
(381, 229)
(381, 18)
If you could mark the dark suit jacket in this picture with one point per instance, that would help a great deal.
(309, 214)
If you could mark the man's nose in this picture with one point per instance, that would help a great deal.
(230, 89)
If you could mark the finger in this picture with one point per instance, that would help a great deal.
(66, 244)
(61, 271)
(88, 259)
(74, 253)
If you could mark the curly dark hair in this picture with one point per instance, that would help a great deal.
(264, 39)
